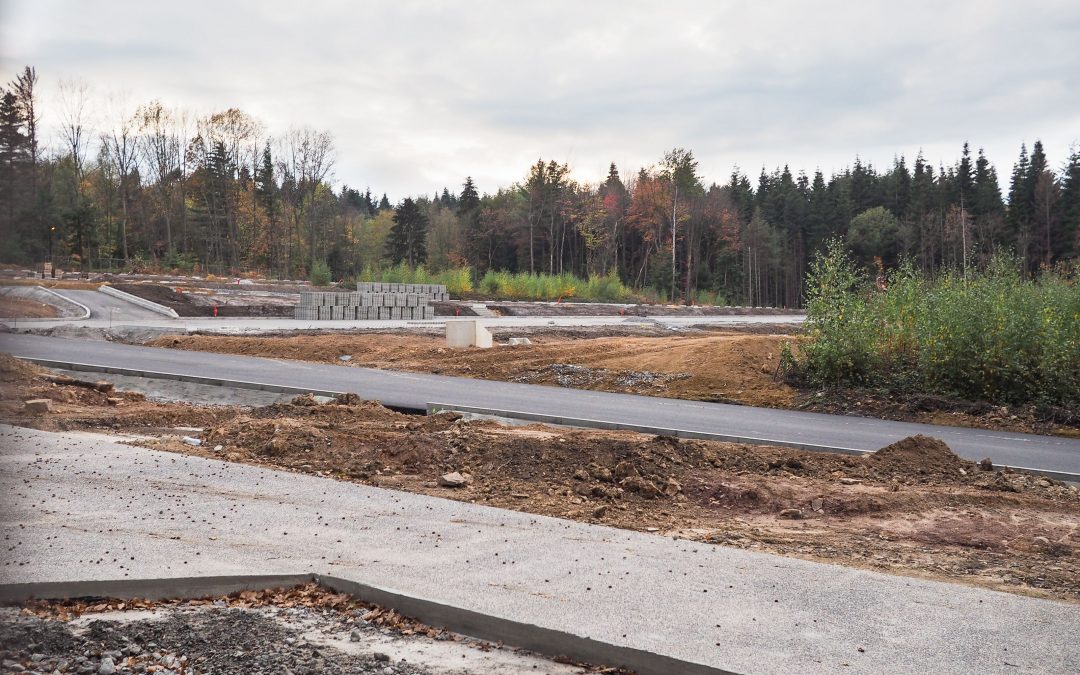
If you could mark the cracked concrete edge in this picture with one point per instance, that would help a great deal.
(544, 641)
(141, 302)
(560, 420)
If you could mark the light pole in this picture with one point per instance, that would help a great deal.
(52, 232)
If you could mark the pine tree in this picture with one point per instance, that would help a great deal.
(384, 203)
(1020, 204)
(407, 242)
(469, 201)
(1069, 243)
(13, 169)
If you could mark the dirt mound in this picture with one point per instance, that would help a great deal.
(15, 370)
(919, 455)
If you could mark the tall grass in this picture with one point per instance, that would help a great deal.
(504, 285)
(548, 287)
(995, 336)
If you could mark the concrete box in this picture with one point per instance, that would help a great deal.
(467, 334)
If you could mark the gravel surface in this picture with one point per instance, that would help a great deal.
(218, 638)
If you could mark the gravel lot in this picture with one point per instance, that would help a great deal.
(230, 636)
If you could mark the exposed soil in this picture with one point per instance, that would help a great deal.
(913, 509)
(307, 629)
(933, 409)
(724, 366)
(25, 308)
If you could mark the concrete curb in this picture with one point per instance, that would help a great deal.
(551, 643)
(696, 435)
(141, 302)
(84, 308)
(643, 429)
(150, 589)
(178, 377)
(545, 641)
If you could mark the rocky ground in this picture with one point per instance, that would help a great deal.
(302, 630)
(913, 508)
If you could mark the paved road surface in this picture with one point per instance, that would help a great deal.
(414, 390)
(101, 306)
(77, 507)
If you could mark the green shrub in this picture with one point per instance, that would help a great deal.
(320, 274)
(994, 335)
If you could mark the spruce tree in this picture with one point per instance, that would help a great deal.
(384, 203)
(407, 241)
(469, 201)
(1070, 206)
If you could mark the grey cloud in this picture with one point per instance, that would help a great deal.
(419, 94)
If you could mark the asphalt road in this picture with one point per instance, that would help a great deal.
(101, 306)
(414, 390)
(84, 507)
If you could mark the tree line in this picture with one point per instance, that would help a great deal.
(149, 186)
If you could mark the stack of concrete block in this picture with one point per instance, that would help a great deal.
(390, 302)
(435, 292)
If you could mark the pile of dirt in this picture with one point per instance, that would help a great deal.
(920, 455)
(165, 295)
(17, 370)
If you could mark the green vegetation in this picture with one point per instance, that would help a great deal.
(458, 282)
(525, 286)
(995, 336)
(320, 274)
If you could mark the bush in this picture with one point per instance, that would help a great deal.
(320, 274)
(994, 336)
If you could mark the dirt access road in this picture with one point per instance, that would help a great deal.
(913, 508)
(723, 366)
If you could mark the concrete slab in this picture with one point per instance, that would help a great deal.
(77, 506)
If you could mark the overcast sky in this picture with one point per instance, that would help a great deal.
(420, 94)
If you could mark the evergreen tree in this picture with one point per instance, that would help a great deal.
(407, 242)
(1069, 244)
(469, 201)
(384, 203)
(1020, 203)
(14, 157)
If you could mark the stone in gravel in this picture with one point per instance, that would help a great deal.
(383, 658)
(107, 667)
(791, 514)
(355, 635)
(986, 464)
(453, 480)
(38, 405)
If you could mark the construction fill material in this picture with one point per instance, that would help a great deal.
(391, 302)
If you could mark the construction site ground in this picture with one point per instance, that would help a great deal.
(302, 629)
(725, 365)
(913, 508)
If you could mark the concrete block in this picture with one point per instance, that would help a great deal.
(38, 405)
(467, 334)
